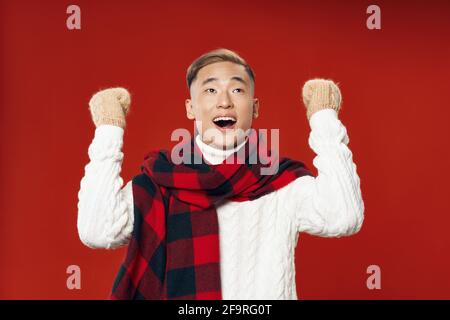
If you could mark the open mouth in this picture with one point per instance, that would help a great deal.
(225, 122)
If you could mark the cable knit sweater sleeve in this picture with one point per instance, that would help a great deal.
(105, 209)
(329, 205)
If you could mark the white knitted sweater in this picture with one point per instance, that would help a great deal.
(257, 238)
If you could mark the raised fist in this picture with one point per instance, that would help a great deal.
(110, 106)
(320, 94)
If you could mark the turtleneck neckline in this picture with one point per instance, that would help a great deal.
(214, 155)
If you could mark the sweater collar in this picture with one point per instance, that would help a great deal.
(213, 155)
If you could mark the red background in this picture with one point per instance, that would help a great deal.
(395, 90)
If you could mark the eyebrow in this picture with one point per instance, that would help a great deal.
(211, 79)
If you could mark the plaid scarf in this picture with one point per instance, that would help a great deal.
(174, 249)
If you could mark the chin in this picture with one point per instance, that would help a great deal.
(225, 139)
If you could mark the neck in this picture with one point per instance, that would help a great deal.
(214, 155)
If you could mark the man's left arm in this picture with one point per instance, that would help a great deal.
(329, 205)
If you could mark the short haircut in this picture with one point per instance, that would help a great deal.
(217, 55)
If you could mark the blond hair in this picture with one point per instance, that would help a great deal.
(217, 55)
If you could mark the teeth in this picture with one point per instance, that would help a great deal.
(224, 118)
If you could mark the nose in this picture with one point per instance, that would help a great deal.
(225, 101)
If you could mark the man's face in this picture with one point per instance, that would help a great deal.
(222, 104)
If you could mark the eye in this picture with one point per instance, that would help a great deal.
(210, 90)
(240, 90)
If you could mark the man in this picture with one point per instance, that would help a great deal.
(216, 230)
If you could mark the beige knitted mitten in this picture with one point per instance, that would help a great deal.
(320, 94)
(110, 106)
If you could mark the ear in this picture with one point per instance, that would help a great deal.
(189, 111)
(255, 108)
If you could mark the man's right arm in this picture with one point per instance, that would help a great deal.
(105, 209)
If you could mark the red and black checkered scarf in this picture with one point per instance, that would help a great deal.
(174, 249)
